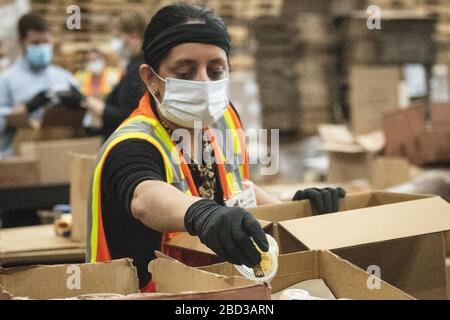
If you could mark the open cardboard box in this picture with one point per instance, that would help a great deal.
(353, 157)
(117, 277)
(402, 234)
(118, 280)
(404, 240)
(344, 279)
(174, 280)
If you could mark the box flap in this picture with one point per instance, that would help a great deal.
(338, 138)
(63, 281)
(371, 225)
(171, 276)
(185, 241)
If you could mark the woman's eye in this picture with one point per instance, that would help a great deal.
(216, 74)
(184, 75)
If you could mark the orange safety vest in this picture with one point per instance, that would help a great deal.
(143, 124)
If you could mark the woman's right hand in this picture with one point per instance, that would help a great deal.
(227, 231)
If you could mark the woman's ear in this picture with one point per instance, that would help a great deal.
(148, 78)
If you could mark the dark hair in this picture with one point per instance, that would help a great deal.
(177, 14)
(30, 22)
(131, 22)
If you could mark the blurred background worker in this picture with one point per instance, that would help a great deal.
(125, 96)
(25, 85)
(97, 79)
(5, 60)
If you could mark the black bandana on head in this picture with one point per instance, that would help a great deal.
(185, 33)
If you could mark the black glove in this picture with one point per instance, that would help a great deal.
(39, 100)
(322, 200)
(227, 231)
(71, 98)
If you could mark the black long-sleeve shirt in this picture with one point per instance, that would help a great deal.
(129, 163)
(124, 98)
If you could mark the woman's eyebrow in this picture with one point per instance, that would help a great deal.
(184, 61)
(217, 60)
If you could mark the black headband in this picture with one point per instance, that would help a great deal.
(156, 50)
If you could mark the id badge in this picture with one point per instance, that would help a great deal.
(244, 199)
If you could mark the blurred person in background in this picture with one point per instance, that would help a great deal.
(5, 60)
(25, 85)
(118, 105)
(24, 90)
(97, 79)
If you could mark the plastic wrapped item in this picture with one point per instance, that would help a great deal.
(267, 268)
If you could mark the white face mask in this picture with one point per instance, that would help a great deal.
(186, 101)
(96, 66)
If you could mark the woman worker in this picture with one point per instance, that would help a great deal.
(145, 188)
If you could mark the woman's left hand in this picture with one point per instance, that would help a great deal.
(324, 200)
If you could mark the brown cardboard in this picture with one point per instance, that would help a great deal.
(447, 244)
(57, 123)
(410, 231)
(353, 157)
(373, 91)
(411, 140)
(447, 266)
(386, 172)
(81, 167)
(53, 156)
(370, 224)
(175, 280)
(57, 282)
(18, 172)
(37, 244)
(344, 279)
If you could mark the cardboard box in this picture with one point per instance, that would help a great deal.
(53, 156)
(57, 123)
(37, 244)
(344, 279)
(419, 141)
(404, 240)
(81, 168)
(71, 280)
(402, 234)
(175, 280)
(374, 90)
(447, 244)
(18, 172)
(354, 157)
(447, 264)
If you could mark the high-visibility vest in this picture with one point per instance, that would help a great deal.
(143, 124)
(109, 78)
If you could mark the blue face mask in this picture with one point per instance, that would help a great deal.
(40, 55)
